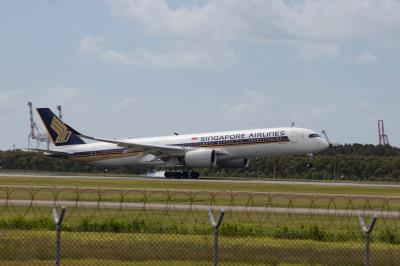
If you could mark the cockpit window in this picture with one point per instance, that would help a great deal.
(311, 136)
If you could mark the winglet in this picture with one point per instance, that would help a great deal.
(60, 133)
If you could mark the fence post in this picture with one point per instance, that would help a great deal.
(367, 231)
(216, 225)
(58, 219)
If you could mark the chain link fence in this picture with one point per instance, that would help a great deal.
(173, 227)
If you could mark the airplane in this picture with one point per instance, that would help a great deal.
(229, 149)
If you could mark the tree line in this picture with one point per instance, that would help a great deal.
(343, 162)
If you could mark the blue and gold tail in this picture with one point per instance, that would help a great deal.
(60, 133)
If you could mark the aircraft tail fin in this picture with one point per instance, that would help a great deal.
(60, 133)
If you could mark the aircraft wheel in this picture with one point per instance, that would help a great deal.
(177, 175)
(185, 174)
(194, 175)
(168, 174)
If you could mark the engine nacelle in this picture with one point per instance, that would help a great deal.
(201, 158)
(235, 163)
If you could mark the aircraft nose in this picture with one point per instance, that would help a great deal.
(324, 144)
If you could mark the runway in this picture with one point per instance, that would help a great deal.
(216, 179)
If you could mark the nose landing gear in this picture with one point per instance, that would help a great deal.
(309, 164)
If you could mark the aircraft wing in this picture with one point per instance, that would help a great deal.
(151, 149)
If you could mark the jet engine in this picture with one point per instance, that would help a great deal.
(235, 163)
(201, 158)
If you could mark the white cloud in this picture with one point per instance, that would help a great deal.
(205, 30)
(115, 57)
(95, 46)
(366, 58)
(307, 20)
(212, 19)
(91, 45)
(188, 58)
(340, 20)
(263, 107)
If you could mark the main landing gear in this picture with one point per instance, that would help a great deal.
(181, 174)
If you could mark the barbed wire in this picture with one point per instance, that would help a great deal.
(189, 206)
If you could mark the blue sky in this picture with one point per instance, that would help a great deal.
(148, 68)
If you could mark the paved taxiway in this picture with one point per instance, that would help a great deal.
(198, 207)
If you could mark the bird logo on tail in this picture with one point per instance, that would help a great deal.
(63, 134)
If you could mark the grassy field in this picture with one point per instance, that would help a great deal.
(172, 249)
(228, 199)
(222, 185)
(285, 225)
(121, 236)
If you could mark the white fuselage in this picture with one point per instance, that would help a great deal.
(230, 145)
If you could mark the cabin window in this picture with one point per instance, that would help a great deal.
(311, 136)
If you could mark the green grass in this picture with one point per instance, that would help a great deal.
(181, 222)
(85, 262)
(172, 249)
(171, 237)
